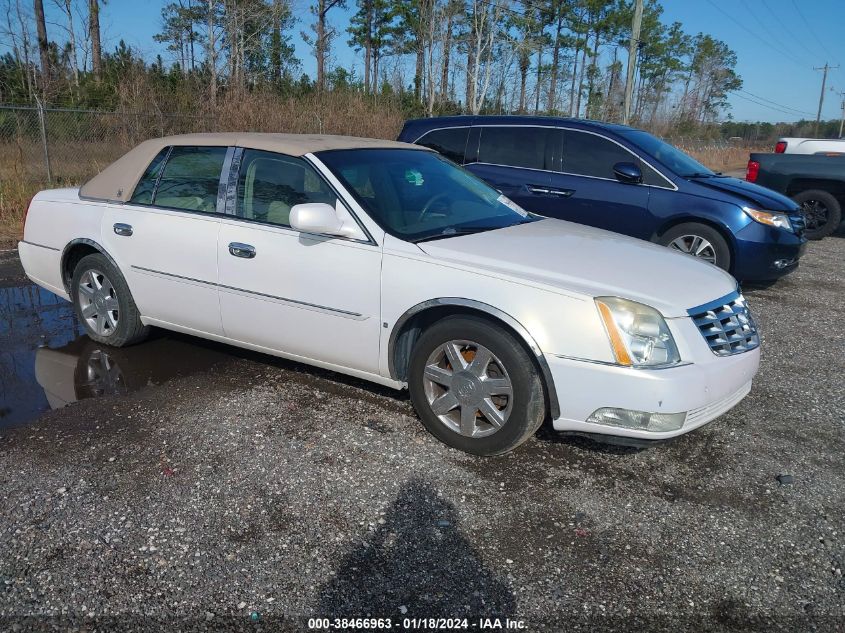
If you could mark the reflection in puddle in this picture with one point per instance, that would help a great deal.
(46, 363)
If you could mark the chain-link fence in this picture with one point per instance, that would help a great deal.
(64, 146)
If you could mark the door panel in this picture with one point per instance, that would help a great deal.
(169, 255)
(306, 295)
(165, 261)
(526, 187)
(590, 193)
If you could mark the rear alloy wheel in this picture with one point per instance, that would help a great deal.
(699, 240)
(474, 386)
(104, 304)
(822, 213)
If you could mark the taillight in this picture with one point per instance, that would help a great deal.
(780, 147)
(752, 170)
(26, 213)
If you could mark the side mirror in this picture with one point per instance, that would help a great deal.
(628, 173)
(317, 217)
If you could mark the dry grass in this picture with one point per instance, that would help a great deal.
(723, 158)
(81, 147)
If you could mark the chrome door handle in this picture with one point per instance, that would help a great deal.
(242, 250)
(563, 193)
(123, 229)
(538, 190)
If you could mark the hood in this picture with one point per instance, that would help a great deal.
(755, 194)
(580, 259)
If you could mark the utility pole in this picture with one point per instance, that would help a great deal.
(633, 47)
(824, 68)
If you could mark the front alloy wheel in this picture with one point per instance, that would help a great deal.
(468, 388)
(475, 386)
(696, 246)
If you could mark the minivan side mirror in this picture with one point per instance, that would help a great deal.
(628, 173)
(317, 217)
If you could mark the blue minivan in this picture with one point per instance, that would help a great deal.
(625, 180)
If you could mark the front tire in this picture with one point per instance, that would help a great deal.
(103, 303)
(475, 387)
(822, 213)
(699, 240)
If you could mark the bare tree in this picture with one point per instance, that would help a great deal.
(94, 35)
(211, 50)
(323, 34)
(485, 24)
(66, 7)
(43, 46)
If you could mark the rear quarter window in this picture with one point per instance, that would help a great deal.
(449, 142)
(145, 189)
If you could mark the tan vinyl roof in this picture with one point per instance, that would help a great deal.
(117, 181)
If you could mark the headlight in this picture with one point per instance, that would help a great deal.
(639, 336)
(772, 218)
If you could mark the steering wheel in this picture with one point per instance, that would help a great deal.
(429, 204)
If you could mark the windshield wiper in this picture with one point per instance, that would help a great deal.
(700, 174)
(454, 232)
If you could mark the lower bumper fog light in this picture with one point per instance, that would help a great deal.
(638, 420)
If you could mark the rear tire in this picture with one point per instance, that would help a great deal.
(700, 241)
(822, 213)
(475, 387)
(103, 303)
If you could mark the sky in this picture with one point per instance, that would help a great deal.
(777, 42)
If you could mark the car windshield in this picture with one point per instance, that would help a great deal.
(418, 195)
(676, 160)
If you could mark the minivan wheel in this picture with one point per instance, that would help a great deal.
(822, 213)
(103, 303)
(698, 240)
(474, 386)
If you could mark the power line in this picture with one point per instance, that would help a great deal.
(760, 103)
(813, 31)
(780, 105)
(781, 42)
(747, 30)
(787, 29)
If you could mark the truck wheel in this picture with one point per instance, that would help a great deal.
(475, 387)
(699, 240)
(822, 213)
(103, 303)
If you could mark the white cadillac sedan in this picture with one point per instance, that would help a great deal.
(384, 261)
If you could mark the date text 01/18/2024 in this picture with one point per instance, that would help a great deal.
(414, 624)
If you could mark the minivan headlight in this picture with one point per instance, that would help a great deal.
(639, 336)
(771, 218)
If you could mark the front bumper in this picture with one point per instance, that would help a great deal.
(764, 253)
(704, 390)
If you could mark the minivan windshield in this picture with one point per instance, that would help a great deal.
(676, 160)
(417, 195)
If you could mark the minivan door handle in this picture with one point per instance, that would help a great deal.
(561, 193)
(543, 191)
(123, 229)
(238, 249)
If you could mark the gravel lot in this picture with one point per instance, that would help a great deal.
(250, 493)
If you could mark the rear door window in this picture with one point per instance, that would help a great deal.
(449, 142)
(517, 146)
(190, 179)
(270, 184)
(587, 154)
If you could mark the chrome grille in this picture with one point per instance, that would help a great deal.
(727, 325)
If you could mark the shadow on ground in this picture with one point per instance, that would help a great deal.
(416, 564)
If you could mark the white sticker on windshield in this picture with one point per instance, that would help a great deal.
(513, 206)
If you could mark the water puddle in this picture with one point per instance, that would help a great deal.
(46, 362)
